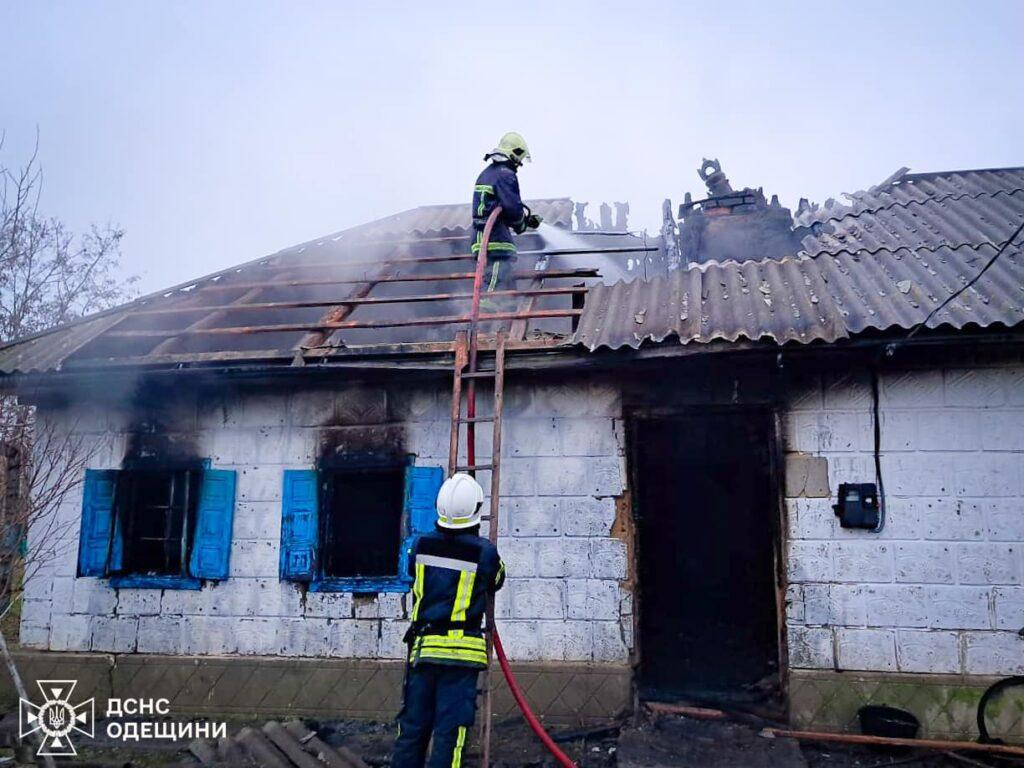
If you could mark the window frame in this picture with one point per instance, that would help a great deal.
(327, 536)
(157, 581)
(192, 472)
(398, 582)
(208, 524)
(301, 546)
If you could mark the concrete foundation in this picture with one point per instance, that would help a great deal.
(259, 687)
(946, 705)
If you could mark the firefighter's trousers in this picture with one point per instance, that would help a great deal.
(439, 701)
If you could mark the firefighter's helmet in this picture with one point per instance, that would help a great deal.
(512, 146)
(459, 502)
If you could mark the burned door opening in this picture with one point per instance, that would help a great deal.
(706, 514)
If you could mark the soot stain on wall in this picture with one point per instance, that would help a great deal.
(359, 430)
(159, 429)
(375, 444)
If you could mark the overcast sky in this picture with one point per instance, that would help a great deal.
(219, 132)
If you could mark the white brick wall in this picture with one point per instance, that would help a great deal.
(939, 590)
(563, 599)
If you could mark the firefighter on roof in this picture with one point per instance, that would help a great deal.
(498, 184)
(453, 570)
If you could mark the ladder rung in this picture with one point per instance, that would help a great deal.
(473, 467)
(478, 375)
(475, 419)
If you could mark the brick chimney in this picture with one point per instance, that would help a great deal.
(733, 225)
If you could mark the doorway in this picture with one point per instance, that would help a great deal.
(707, 526)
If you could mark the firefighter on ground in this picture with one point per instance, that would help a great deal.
(498, 184)
(454, 569)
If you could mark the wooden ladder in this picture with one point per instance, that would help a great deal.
(469, 370)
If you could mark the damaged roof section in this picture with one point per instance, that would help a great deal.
(405, 279)
(884, 261)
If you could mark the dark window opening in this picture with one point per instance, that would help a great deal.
(707, 516)
(363, 523)
(156, 512)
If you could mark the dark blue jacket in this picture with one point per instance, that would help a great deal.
(498, 184)
(452, 575)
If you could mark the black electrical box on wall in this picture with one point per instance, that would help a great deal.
(857, 506)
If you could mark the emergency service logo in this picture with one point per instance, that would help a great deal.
(57, 718)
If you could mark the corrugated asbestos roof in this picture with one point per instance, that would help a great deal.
(904, 188)
(931, 224)
(885, 261)
(803, 299)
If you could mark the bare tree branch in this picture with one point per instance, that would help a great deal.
(49, 275)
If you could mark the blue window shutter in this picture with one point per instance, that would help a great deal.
(116, 564)
(215, 512)
(97, 518)
(421, 487)
(299, 524)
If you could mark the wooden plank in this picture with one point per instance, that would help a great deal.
(698, 713)
(492, 527)
(574, 289)
(293, 327)
(519, 327)
(461, 357)
(325, 280)
(381, 352)
(499, 404)
(343, 264)
(331, 318)
(341, 311)
(207, 321)
(881, 741)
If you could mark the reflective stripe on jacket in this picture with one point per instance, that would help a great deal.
(452, 575)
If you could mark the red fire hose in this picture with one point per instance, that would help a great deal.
(562, 758)
(506, 670)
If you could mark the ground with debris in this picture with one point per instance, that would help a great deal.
(652, 741)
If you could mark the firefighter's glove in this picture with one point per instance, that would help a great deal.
(533, 221)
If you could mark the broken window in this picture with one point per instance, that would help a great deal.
(350, 528)
(153, 526)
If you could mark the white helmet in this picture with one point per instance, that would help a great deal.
(459, 502)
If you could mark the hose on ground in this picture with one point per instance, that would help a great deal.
(531, 719)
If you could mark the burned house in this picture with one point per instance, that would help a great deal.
(746, 462)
